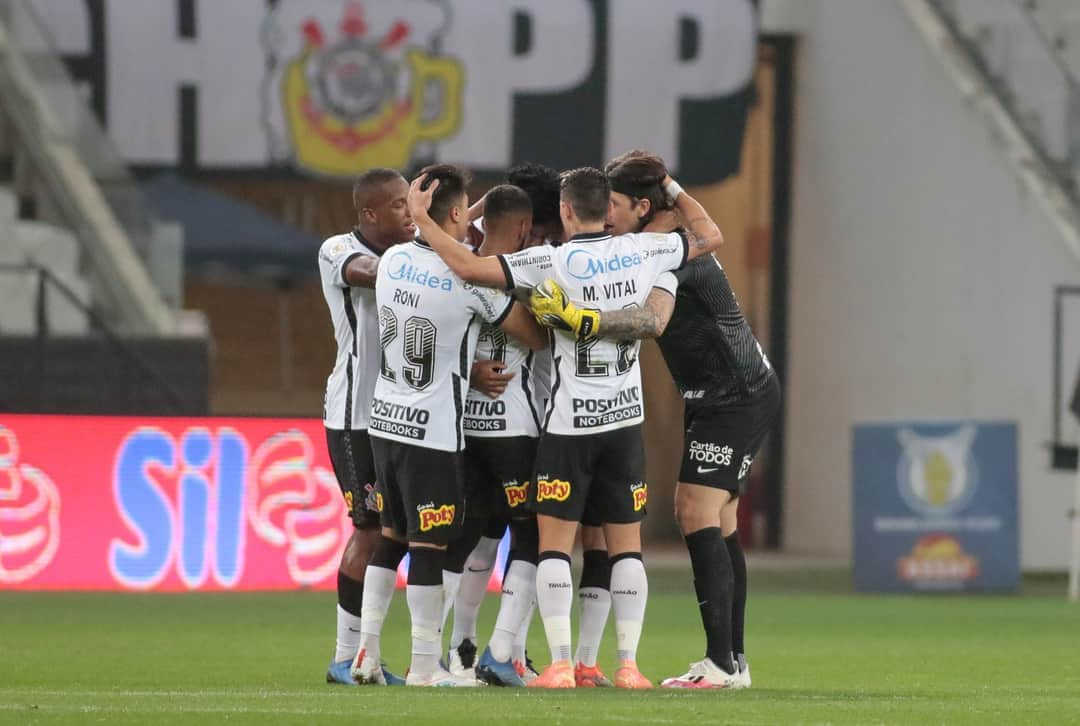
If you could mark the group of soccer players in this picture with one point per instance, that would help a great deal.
(537, 296)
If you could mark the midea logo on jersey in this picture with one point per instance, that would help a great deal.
(584, 265)
(401, 268)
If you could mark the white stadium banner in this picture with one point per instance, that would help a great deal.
(327, 87)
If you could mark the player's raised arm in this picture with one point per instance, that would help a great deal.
(485, 271)
(701, 231)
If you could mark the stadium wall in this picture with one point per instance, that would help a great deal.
(921, 273)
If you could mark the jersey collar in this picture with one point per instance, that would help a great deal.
(590, 237)
(360, 238)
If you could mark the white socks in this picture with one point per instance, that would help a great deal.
(595, 605)
(348, 635)
(450, 580)
(425, 604)
(629, 593)
(515, 609)
(522, 638)
(471, 590)
(555, 598)
(378, 591)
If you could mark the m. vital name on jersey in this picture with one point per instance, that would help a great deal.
(618, 288)
(400, 420)
(593, 412)
(481, 415)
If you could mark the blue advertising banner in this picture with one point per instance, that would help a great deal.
(935, 506)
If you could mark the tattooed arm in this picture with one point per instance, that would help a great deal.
(644, 322)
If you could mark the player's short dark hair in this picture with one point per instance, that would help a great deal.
(369, 182)
(541, 183)
(640, 175)
(588, 193)
(504, 200)
(453, 183)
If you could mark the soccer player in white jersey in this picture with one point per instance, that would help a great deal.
(732, 399)
(429, 323)
(590, 453)
(500, 433)
(347, 267)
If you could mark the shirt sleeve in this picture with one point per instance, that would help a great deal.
(490, 304)
(664, 252)
(334, 257)
(667, 282)
(529, 267)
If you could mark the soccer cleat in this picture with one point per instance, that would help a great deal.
(367, 671)
(340, 673)
(525, 670)
(703, 674)
(498, 673)
(590, 677)
(559, 674)
(627, 675)
(462, 659)
(439, 679)
(391, 678)
(743, 674)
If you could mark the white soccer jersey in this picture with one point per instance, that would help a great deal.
(429, 322)
(356, 329)
(514, 413)
(596, 383)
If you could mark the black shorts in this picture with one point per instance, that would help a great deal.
(721, 441)
(420, 491)
(354, 467)
(603, 474)
(498, 473)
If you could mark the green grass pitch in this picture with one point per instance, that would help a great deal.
(818, 653)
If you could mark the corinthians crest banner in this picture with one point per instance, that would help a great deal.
(330, 87)
(936, 506)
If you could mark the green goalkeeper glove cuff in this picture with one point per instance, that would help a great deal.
(551, 307)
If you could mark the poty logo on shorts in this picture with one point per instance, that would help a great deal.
(711, 453)
(515, 493)
(640, 492)
(584, 265)
(556, 489)
(378, 502)
(348, 502)
(431, 517)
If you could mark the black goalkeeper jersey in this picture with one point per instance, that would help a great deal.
(708, 345)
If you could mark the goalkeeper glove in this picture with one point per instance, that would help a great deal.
(551, 307)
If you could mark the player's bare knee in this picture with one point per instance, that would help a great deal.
(698, 507)
(357, 554)
(622, 538)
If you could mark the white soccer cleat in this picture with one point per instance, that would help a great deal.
(440, 679)
(704, 674)
(461, 661)
(367, 670)
(743, 674)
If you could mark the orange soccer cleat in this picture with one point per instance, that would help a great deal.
(627, 675)
(559, 674)
(590, 677)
